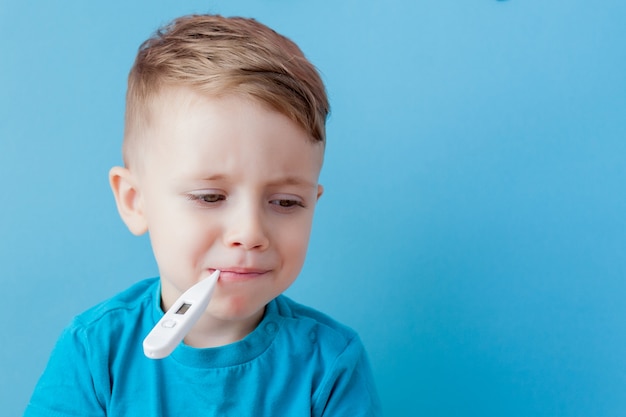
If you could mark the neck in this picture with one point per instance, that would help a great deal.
(213, 332)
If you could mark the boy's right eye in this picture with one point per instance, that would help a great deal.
(207, 198)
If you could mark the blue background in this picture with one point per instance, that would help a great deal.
(473, 227)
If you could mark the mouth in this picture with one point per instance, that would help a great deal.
(234, 274)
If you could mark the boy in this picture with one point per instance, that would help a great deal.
(223, 145)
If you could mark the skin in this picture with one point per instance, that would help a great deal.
(225, 183)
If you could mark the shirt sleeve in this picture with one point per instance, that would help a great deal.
(349, 389)
(66, 387)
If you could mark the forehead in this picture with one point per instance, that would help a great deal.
(180, 104)
(195, 130)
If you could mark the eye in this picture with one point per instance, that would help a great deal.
(285, 203)
(208, 198)
(212, 198)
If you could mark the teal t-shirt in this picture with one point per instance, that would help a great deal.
(297, 362)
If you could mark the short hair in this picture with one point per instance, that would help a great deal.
(222, 55)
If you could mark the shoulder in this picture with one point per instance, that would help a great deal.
(335, 357)
(116, 310)
(98, 343)
(319, 328)
(290, 309)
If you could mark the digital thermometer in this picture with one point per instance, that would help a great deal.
(179, 319)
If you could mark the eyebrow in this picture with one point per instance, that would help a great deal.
(216, 177)
(292, 180)
(288, 180)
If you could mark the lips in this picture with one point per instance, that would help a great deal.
(230, 274)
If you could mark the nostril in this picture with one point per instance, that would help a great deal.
(247, 231)
(249, 244)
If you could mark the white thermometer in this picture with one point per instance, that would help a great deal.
(179, 319)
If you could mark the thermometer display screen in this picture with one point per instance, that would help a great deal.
(183, 308)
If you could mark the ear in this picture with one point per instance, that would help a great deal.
(128, 200)
(320, 191)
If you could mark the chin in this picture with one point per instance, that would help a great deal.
(238, 309)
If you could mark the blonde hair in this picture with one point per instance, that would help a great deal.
(223, 55)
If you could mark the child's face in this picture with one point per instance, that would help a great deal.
(226, 183)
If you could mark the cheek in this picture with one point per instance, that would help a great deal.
(182, 238)
(294, 244)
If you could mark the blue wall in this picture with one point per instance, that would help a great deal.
(473, 227)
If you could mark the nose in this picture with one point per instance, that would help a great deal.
(246, 228)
